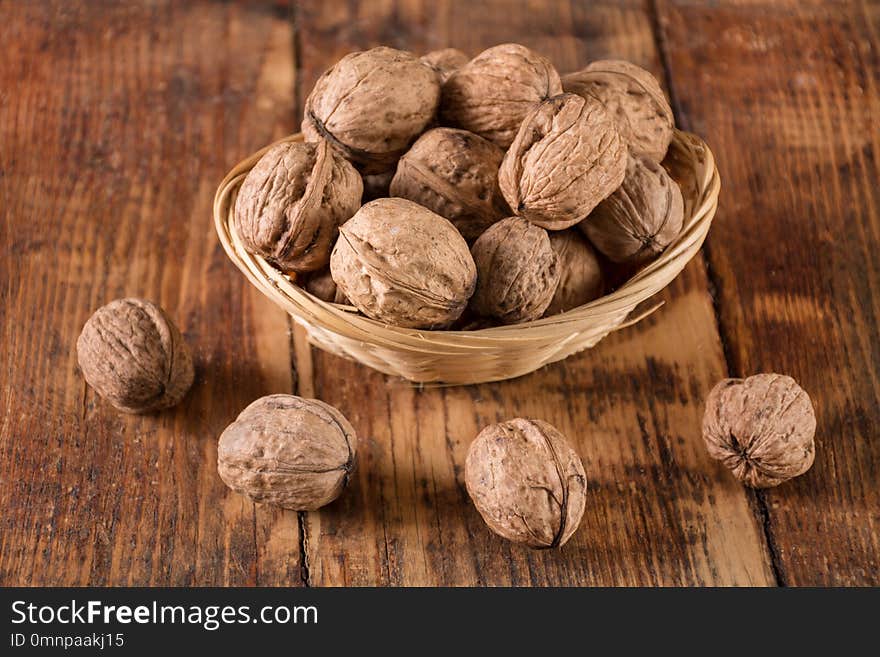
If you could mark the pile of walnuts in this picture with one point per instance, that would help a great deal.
(497, 191)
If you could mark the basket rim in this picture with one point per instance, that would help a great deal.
(344, 320)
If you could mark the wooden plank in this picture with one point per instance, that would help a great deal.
(116, 124)
(659, 510)
(787, 95)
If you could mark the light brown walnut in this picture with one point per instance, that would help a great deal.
(134, 356)
(400, 263)
(371, 105)
(517, 271)
(640, 219)
(492, 93)
(527, 482)
(761, 428)
(566, 158)
(581, 279)
(634, 99)
(291, 203)
(455, 174)
(288, 451)
(446, 61)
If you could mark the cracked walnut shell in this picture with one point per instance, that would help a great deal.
(517, 271)
(761, 428)
(400, 263)
(581, 278)
(634, 99)
(527, 482)
(288, 451)
(292, 202)
(134, 356)
(492, 93)
(371, 105)
(566, 158)
(640, 219)
(455, 174)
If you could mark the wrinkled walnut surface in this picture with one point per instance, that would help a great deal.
(491, 94)
(527, 482)
(566, 158)
(455, 174)
(371, 105)
(581, 278)
(291, 203)
(134, 356)
(518, 271)
(634, 98)
(400, 263)
(446, 61)
(639, 220)
(761, 428)
(288, 451)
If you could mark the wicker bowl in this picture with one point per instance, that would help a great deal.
(491, 354)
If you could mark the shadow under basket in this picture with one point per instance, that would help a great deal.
(489, 354)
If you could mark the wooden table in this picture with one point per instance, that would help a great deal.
(118, 121)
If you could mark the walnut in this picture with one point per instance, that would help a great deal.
(492, 93)
(639, 220)
(527, 482)
(517, 271)
(400, 263)
(566, 158)
(288, 451)
(133, 355)
(634, 98)
(761, 428)
(371, 105)
(455, 174)
(321, 285)
(446, 61)
(376, 185)
(581, 278)
(291, 203)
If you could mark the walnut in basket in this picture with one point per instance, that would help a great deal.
(288, 451)
(291, 203)
(371, 105)
(517, 271)
(527, 482)
(566, 158)
(581, 278)
(639, 220)
(322, 285)
(400, 263)
(634, 98)
(455, 174)
(445, 61)
(491, 94)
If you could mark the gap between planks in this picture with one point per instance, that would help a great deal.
(757, 500)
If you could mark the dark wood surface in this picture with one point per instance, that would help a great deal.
(117, 122)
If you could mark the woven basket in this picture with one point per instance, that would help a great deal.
(491, 354)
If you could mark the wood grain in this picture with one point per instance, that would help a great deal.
(659, 511)
(786, 93)
(116, 124)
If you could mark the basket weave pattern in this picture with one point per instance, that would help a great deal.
(491, 354)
